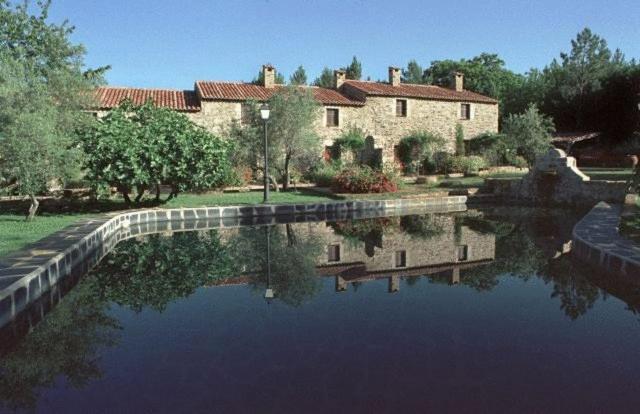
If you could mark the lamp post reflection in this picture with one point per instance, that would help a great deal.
(268, 293)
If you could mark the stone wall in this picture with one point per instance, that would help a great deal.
(377, 118)
(556, 180)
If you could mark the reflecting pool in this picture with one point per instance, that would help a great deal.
(481, 310)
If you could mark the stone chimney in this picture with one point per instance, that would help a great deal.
(394, 76)
(457, 81)
(339, 76)
(268, 76)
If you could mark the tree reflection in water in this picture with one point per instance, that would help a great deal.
(154, 271)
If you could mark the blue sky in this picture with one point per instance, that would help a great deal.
(171, 44)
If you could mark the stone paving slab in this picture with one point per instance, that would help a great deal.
(596, 240)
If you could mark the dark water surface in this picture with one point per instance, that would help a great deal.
(481, 311)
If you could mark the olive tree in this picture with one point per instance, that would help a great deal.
(43, 89)
(528, 133)
(419, 147)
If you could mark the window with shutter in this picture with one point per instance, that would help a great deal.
(401, 258)
(332, 117)
(401, 107)
(333, 253)
(245, 113)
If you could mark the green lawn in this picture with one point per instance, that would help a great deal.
(16, 233)
(611, 174)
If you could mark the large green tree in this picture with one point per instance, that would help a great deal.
(354, 70)
(142, 147)
(43, 89)
(299, 77)
(413, 73)
(325, 80)
(529, 133)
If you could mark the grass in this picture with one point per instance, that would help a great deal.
(15, 232)
(610, 174)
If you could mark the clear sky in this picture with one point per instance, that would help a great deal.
(170, 44)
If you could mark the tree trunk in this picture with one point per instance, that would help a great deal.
(141, 191)
(274, 183)
(125, 195)
(286, 176)
(33, 208)
(158, 192)
(173, 193)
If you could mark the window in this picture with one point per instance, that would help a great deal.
(245, 113)
(465, 111)
(401, 258)
(463, 252)
(332, 117)
(401, 107)
(333, 253)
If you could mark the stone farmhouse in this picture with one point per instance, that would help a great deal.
(385, 111)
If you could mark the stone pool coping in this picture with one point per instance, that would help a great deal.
(596, 240)
(28, 273)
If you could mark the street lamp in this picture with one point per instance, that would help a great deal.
(264, 114)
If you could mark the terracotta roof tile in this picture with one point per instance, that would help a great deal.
(110, 97)
(415, 91)
(235, 91)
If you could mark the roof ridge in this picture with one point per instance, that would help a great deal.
(143, 89)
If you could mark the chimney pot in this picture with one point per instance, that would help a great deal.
(268, 76)
(339, 76)
(394, 76)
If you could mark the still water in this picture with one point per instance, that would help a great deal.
(479, 311)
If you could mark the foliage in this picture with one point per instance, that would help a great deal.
(138, 147)
(529, 133)
(299, 77)
(422, 227)
(418, 148)
(352, 140)
(42, 91)
(155, 272)
(460, 150)
(324, 173)
(291, 269)
(413, 73)
(325, 80)
(354, 70)
(64, 345)
(363, 179)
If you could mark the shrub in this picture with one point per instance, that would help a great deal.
(528, 133)
(419, 148)
(468, 165)
(363, 179)
(520, 162)
(324, 174)
(351, 140)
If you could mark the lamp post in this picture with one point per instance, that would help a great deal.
(268, 293)
(264, 114)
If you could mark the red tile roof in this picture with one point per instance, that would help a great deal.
(233, 91)
(110, 97)
(415, 91)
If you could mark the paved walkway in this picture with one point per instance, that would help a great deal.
(596, 240)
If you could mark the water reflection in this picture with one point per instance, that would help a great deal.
(286, 263)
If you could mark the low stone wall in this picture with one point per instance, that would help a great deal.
(27, 274)
(507, 169)
(596, 241)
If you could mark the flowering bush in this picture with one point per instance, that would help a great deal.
(363, 179)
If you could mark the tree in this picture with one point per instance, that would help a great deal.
(325, 80)
(42, 91)
(141, 147)
(529, 133)
(293, 142)
(354, 70)
(413, 73)
(259, 80)
(299, 77)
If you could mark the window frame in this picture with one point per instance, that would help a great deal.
(404, 108)
(335, 258)
(336, 117)
(402, 257)
(465, 116)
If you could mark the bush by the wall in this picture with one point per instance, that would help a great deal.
(324, 173)
(363, 179)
